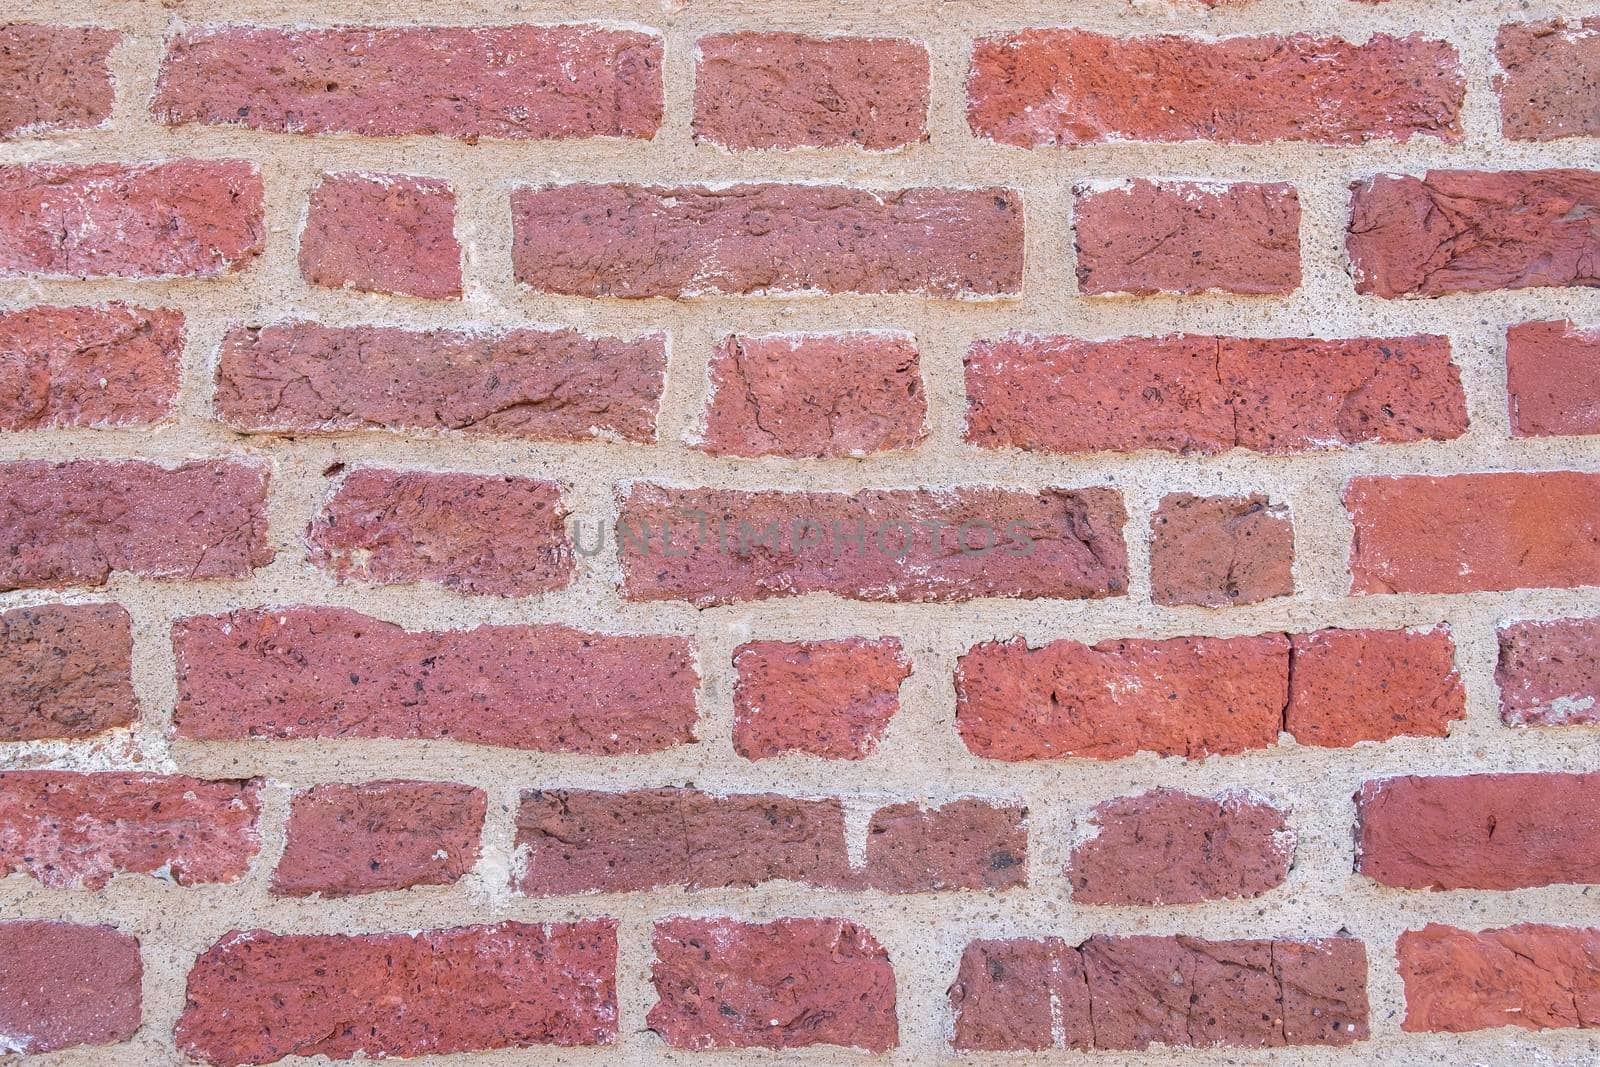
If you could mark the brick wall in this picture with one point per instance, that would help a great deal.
(1258, 336)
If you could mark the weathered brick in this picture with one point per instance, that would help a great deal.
(1465, 231)
(645, 240)
(1142, 237)
(1533, 976)
(1015, 995)
(1347, 686)
(1551, 81)
(54, 78)
(514, 82)
(551, 385)
(84, 366)
(78, 523)
(343, 840)
(1549, 673)
(71, 830)
(1069, 87)
(785, 984)
(813, 395)
(190, 218)
(1479, 831)
(1553, 379)
(256, 996)
(722, 546)
(64, 984)
(786, 90)
(1465, 532)
(491, 534)
(65, 671)
(1218, 551)
(331, 672)
(383, 233)
(832, 699)
(965, 844)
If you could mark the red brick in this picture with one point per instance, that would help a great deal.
(1466, 532)
(813, 395)
(1553, 378)
(683, 241)
(331, 672)
(65, 671)
(191, 218)
(256, 996)
(584, 841)
(785, 90)
(344, 840)
(83, 366)
(1188, 393)
(1187, 696)
(1480, 831)
(492, 534)
(62, 985)
(78, 523)
(1070, 87)
(511, 82)
(71, 830)
(54, 78)
(966, 844)
(785, 984)
(1532, 976)
(1465, 231)
(1549, 673)
(1219, 551)
(1144, 237)
(1167, 847)
(549, 385)
(1551, 81)
(383, 233)
(1347, 686)
(1056, 543)
(832, 699)
(1014, 995)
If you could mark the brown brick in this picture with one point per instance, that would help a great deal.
(1220, 551)
(965, 844)
(65, 671)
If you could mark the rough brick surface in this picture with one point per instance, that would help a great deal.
(1217, 551)
(65, 671)
(383, 233)
(555, 385)
(785, 984)
(814, 395)
(1347, 686)
(331, 672)
(256, 996)
(832, 699)
(476, 534)
(54, 78)
(1549, 673)
(1533, 976)
(966, 844)
(1144, 237)
(1551, 79)
(65, 984)
(514, 82)
(1553, 378)
(787, 90)
(349, 839)
(97, 220)
(84, 366)
(587, 240)
(71, 830)
(1071, 87)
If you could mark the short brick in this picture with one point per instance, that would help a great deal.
(331, 672)
(65, 672)
(64, 985)
(1553, 379)
(966, 844)
(344, 840)
(1480, 831)
(1220, 551)
(54, 78)
(684, 241)
(1503, 230)
(1551, 80)
(1532, 976)
(1467, 532)
(549, 385)
(814, 395)
(488, 534)
(1347, 686)
(191, 218)
(383, 233)
(78, 523)
(785, 984)
(785, 90)
(832, 699)
(84, 366)
(1069, 87)
(1144, 237)
(511, 82)
(1549, 673)
(75, 831)
(1013, 995)
(256, 996)
(1167, 847)
(723, 546)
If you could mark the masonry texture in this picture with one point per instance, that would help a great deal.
(929, 532)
